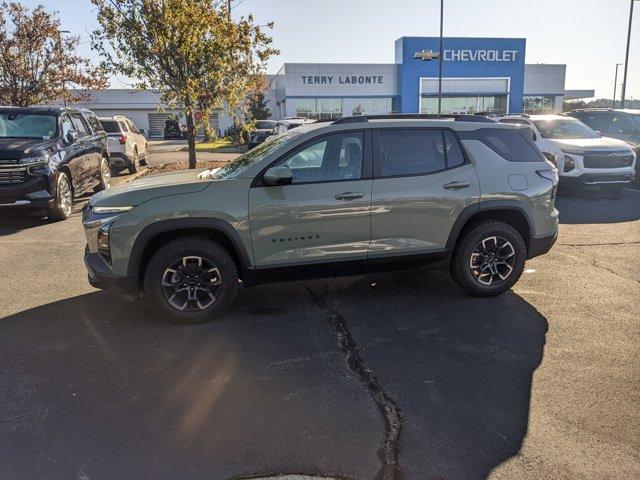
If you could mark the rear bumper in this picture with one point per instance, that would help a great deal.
(101, 277)
(541, 245)
(120, 158)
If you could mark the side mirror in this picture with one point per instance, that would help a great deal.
(142, 131)
(598, 132)
(280, 175)
(535, 137)
(72, 136)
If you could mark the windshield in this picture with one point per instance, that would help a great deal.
(564, 128)
(265, 124)
(18, 125)
(240, 164)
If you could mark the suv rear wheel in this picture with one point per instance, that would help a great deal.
(133, 166)
(192, 279)
(488, 259)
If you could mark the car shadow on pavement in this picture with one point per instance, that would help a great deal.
(580, 206)
(15, 220)
(459, 368)
(96, 387)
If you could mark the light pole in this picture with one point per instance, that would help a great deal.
(64, 83)
(615, 85)
(626, 58)
(440, 60)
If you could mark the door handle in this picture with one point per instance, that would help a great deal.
(349, 195)
(456, 185)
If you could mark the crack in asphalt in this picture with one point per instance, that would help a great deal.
(386, 405)
(595, 264)
(598, 244)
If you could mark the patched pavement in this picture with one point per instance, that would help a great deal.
(304, 377)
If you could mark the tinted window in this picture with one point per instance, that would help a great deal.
(510, 144)
(327, 159)
(79, 125)
(622, 124)
(517, 121)
(410, 152)
(265, 124)
(597, 121)
(454, 153)
(110, 126)
(93, 122)
(67, 126)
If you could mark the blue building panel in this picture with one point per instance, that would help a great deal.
(463, 58)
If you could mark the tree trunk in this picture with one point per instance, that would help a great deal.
(209, 134)
(191, 137)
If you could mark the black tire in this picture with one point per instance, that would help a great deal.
(169, 258)
(133, 166)
(145, 158)
(472, 239)
(63, 200)
(105, 176)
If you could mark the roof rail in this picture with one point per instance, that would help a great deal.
(414, 116)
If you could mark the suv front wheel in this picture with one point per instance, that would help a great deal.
(488, 259)
(191, 278)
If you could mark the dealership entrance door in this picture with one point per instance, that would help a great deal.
(465, 95)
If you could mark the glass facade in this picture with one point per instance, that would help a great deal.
(319, 108)
(373, 106)
(537, 103)
(462, 104)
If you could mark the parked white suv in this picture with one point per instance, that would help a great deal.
(581, 154)
(127, 144)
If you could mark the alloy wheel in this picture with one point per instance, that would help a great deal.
(65, 195)
(492, 260)
(105, 173)
(191, 283)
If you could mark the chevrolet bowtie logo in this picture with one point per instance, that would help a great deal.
(426, 55)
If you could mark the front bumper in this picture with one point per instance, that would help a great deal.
(541, 245)
(33, 193)
(598, 179)
(100, 276)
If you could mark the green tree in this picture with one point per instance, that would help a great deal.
(38, 65)
(258, 107)
(191, 50)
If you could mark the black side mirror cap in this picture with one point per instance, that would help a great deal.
(281, 175)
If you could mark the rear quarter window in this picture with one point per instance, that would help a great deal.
(514, 145)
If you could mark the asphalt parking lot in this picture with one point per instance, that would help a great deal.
(400, 375)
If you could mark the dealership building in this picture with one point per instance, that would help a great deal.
(478, 75)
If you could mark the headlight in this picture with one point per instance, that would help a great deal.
(104, 248)
(549, 175)
(35, 160)
(107, 210)
(551, 157)
(569, 164)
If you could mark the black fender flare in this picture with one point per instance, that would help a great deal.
(485, 206)
(164, 226)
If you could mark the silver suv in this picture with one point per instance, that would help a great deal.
(357, 195)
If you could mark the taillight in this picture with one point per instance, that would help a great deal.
(122, 139)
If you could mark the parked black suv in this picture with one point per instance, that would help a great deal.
(50, 155)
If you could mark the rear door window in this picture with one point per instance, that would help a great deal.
(410, 152)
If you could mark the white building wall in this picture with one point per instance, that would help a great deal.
(543, 79)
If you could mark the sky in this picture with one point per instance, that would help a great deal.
(589, 36)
